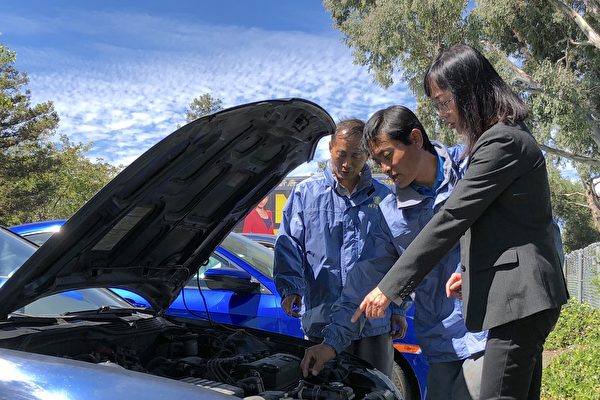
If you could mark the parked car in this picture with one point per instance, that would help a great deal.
(149, 231)
(265, 239)
(241, 304)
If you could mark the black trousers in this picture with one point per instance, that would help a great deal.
(512, 367)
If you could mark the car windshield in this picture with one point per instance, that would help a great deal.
(14, 251)
(255, 254)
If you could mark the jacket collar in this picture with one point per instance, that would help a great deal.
(365, 181)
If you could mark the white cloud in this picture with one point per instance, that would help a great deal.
(131, 93)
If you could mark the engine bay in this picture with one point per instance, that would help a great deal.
(235, 362)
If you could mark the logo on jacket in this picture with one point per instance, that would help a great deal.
(376, 201)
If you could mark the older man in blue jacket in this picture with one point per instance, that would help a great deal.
(332, 225)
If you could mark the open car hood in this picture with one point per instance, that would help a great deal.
(151, 227)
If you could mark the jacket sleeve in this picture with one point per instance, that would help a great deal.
(403, 307)
(289, 257)
(494, 165)
(363, 277)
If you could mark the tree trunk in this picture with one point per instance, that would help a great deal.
(592, 36)
(593, 201)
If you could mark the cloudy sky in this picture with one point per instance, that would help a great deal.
(121, 73)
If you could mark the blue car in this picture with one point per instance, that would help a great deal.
(238, 289)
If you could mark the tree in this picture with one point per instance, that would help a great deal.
(39, 179)
(548, 50)
(19, 120)
(45, 180)
(571, 211)
(201, 106)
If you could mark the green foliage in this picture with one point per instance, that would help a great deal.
(596, 284)
(39, 179)
(575, 372)
(542, 53)
(203, 105)
(19, 120)
(571, 210)
(578, 324)
(45, 180)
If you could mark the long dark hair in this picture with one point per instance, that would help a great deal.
(481, 96)
(397, 122)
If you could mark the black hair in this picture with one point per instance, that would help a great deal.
(397, 122)
(482, 98)
(353, 128)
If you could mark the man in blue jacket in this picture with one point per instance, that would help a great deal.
(425, 174)
(332, 225)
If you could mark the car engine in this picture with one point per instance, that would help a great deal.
(242, 363)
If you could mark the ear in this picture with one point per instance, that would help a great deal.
(330, 145)
(416, 137)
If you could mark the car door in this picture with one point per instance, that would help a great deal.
(254, 310)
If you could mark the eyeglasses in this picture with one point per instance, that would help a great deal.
(441, 105)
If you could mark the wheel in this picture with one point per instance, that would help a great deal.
(402, 382)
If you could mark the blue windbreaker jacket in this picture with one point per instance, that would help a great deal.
(439, 325)
(323, 236)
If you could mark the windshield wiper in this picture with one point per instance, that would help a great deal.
(106, 311)
(18, 318)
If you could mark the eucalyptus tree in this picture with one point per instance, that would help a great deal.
(548, 50)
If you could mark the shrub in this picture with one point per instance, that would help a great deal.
(578, 324)
(574, 374)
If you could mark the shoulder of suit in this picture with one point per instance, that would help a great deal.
(501, 128)
(519, 134)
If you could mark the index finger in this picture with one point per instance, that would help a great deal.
(305, 363)
(357, 313)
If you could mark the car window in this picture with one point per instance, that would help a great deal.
(13, 252)
(214, 261)
(74, 301)
(255, 254)
(217, 261)
(39, 238)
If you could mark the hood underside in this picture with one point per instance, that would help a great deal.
(152, 226)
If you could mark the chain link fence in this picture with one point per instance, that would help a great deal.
(582, 270)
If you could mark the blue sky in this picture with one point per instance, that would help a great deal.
(121, 73)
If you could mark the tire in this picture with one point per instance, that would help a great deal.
(403, 383)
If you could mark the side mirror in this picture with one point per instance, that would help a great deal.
(237, 281)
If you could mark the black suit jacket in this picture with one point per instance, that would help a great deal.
(502, 207)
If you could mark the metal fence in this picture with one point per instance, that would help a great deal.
(582, 270)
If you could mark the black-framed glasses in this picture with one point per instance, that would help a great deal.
(441, 105)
